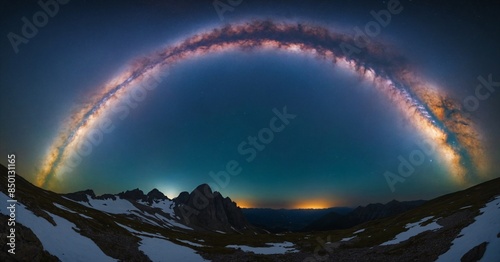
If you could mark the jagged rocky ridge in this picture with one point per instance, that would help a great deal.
(207, 209)
(202, 209)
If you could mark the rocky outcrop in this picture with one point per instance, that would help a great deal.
(155, 194)
(81, 196)
(475, 254)
(28, 246)
(209, 210)
(134, 195)
(106, 196)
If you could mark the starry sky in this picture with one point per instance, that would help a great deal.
(345, 135)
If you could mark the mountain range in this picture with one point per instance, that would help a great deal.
(337, 220)
(202, 225)
(202, 209)
(285, 220)
(303, 220)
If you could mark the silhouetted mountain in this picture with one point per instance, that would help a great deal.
(155, 194)
(134, 195)
(201, 209)
(334, 220)
(206, 209)
(282, 220)
(81, 196)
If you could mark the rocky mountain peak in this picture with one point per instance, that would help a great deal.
(81, 196)
(204, 188)
(134, 195)
(182, 198)
(203, 208)
(210, 210)
(155, 194)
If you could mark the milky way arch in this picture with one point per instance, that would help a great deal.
(438, 118)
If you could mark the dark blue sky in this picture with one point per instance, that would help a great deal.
(336, 150)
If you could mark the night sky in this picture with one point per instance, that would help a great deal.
(344, 137)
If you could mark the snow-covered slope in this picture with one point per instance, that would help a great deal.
(118, 206)
(160, 212)
(158, 248)
(484, 229)
(61, 240)
(413, 229)
(271, 248)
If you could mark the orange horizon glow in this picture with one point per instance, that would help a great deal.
(303, 204)
(314, 204)
(244, 203)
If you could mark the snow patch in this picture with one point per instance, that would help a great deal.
(413, 230)
(123, 206)
(359, 231)
(190, 243)
(173, 222)
(484, 229)
(61, 240)
(84, 216)
(347, 238)
(135, 232)
(157, 247)
(63, 208)
(146, 218)
(273, 248)
(166, 205)
(71, 211)
(160, 249)
(118, 206)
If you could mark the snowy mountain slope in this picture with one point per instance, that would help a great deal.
(461, 226)
(158, 248)
(90, 231)
(159, 215)
(482, 230)
(61, 239)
